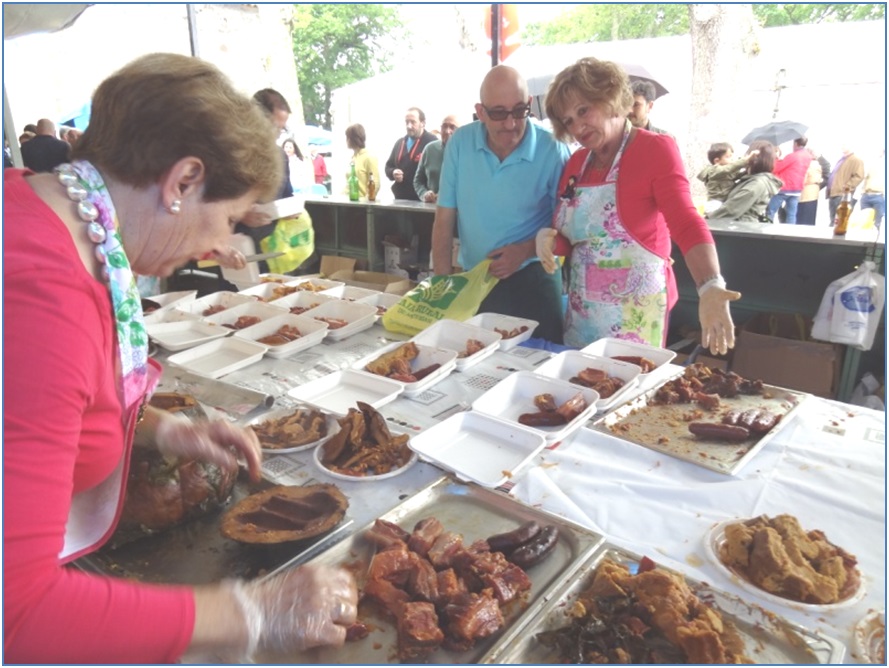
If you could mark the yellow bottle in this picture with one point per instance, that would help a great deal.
(844, 211)
(371, 188)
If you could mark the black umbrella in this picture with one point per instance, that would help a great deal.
(537, 86)
(776, 132)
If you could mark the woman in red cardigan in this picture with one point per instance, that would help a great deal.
(624, 197)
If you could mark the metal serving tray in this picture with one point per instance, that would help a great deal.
(665, 429)
(767, 638)
(475, 513)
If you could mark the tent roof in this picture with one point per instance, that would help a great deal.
(23, 19)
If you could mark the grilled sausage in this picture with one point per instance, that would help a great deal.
(731, 417)
(535, 550)
(720, 432)
(764, 422)
(545, 419)
(748, 418)
(425, 371)
(506, 542)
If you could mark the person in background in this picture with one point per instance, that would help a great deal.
(644, 95)
(429, 170)
(808, 199)
(402, 163)
(172, 157)
(629, 202)
(27, 135)
(791, 169)
(873, 195)
(848, 172)
(365, 163)
(748, 200)
(319, 167)
(45, 151)
(302, 172)
(498, 187)
(72, 136)
(720, 175)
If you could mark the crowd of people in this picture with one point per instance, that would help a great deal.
(86, 217)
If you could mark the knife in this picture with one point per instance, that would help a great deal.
(249, 258)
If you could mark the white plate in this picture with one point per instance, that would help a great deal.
(315, 284)
(271, 291)
(333, 427)
(358, 316)
(222, 298)
(382, 301)
(219, 357)
(453, 335)
(492, 321)
(426, 356)
(316, 455)
(337, 392)
(352, 293)
(515, 394)
(168, 300)
(478, 447)
(870, 638)
(168, 315)
(253, 308)
(303, 299)
(716, 537)
(569, 363)
(312, 331)
(619, 348)
(185, 333)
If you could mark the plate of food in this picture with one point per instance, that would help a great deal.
(215, 302)
(300, 302)
(167, 300)
(269, 291)
(285, 334)
(242, 316)
(315, 284)
(512, 330)
(870, 638)
(472, 343)
(648, 358)
(285, 430)
(343, 318)
(364, 448)
(626, 608)
(383, 301)
(611, 378)
(417, 366)
(762, 555)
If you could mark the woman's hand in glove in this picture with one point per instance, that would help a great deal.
(545, 243)
(717, 328)
(214, 441)
(309, 606)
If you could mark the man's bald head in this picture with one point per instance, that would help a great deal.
(502, 79)
(46, 127)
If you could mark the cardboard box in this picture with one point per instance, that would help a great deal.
(397, 256)
(771, 347)
(331, 264)
(373, 280)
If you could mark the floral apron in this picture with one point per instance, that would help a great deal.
(617, 288)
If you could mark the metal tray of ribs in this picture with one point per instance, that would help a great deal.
(473, 513)
(586, 624)
(660, 420)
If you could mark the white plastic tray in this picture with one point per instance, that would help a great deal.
(339, 391)
(167, 315)
(494, 321)
(358, 316)
(185, 333)
(168, 300)
(254, 308)
(569, 363)
(270, 291)
(222, 298)
(219, 357)
(619, 348)
(313, 332)
(515, 394)
(304, 299)
(426, 356)
(382, 301)
(352, 293)
(478, 447)
(453, 335)
(315, 284)
(333, 427)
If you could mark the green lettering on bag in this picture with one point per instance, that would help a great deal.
(440, 294)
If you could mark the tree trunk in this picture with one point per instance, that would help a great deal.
(723, 42)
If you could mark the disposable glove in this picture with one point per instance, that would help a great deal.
(717, 328)
(214, 441)
(544, 243)
(309, 606)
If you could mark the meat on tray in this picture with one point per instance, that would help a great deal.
(549, 414)
(598, 380)
(439, 591)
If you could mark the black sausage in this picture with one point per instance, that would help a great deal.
(535, 550)
(506, 542)
(720, 432)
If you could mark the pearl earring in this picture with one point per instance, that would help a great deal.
(175, 206)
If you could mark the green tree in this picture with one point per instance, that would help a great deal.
(772, 15)
(335, 45)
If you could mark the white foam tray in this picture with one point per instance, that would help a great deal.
(339, 391)
(493, 321)
(217, 358)
(315, 284)
(382, 301)
(426, 356)
(253, 308)
(222, 298)
(358, 316)
(167, 315)
(185, 333)
(303, 299)
(569, 363)
(313, 332)
(479, 448)
(267, 291)
(514, 395)
(453, 335)
(169, 300)
(610, 347)
(351, 293)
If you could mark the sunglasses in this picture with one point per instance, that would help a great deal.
(518, 112)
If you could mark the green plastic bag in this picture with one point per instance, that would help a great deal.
(295, 237)
(456, 296)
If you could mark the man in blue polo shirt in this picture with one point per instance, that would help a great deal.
(499, 182)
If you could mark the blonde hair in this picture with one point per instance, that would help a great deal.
(163, 107)
(592, 80)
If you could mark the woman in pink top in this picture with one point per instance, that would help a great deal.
(624, 197)
(172, 157)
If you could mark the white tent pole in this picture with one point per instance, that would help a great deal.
(10, 132)
(192, 30)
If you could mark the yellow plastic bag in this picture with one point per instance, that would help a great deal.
(295, 237)
(456, 296)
